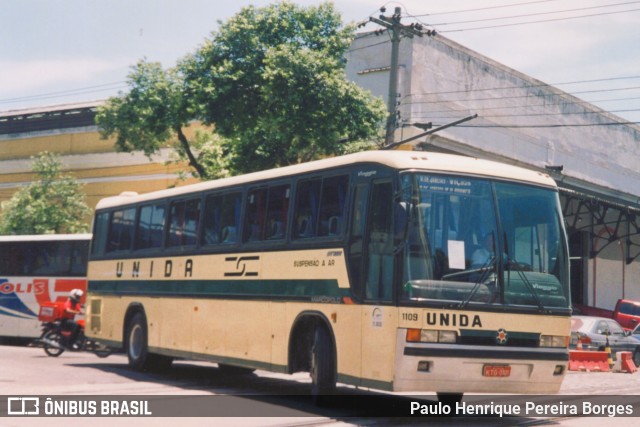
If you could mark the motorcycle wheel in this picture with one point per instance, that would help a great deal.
(51, 350)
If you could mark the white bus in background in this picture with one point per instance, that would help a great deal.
(36, 269)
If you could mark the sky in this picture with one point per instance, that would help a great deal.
(66, 51)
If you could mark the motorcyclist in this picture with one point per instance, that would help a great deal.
(71, 308)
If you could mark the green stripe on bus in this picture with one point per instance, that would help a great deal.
(204, 288)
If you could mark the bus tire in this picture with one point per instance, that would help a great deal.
(323, 364)
(136, 342)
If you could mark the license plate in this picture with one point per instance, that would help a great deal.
(496, 370)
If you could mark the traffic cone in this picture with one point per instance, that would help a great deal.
(608, 350)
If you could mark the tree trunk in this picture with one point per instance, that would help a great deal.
(193, 162)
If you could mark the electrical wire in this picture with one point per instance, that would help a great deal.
(70, 92)
(527, 15)
(566, 125)
(485, 8)
(529, 86)
(537, 22)
(512, 107)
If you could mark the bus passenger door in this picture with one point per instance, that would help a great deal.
(379, 317)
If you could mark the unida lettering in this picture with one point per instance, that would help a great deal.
(453, 319)
(138, 269)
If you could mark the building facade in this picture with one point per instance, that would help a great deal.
(591, 153)
(70, 131)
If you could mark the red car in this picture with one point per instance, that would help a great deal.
(627, 313)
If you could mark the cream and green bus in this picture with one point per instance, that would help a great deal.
(393, 270)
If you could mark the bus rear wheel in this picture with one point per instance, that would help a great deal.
(136, 342)
(323, 364)
(138, 348)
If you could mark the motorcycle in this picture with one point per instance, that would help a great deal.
(55, 337)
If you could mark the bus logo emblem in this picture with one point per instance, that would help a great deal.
(241, 266)
(502, 336)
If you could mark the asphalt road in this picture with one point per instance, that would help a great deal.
(263, 398)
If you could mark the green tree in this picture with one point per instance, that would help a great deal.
(270, 82)
(54, 203)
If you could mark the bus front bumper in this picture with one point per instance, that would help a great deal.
(459, 368)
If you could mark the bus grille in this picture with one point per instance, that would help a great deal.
(490, 338)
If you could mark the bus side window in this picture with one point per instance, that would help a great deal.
(212, 219)
(277, 212)
(12, 260)
(121, 230)
(222, 218)
(306, 208)
(332, 203)
(183, 223)
(100, 232)
(255, 216)
(380, 258)
(150, 227)
(79, 258)
(231, 206)
(355, 240)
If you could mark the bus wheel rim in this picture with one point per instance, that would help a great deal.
(135, 342)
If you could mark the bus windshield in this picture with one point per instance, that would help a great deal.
(470, 241)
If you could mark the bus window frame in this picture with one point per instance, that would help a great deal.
(122, 208)
(160, 202)
(186, 199)
(264, 242)
(329, 239)
(222, 246)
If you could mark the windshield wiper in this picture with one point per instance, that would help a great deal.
(486, 269)
(521, 275)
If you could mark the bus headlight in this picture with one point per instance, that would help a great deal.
(431, 335)
(448, 337)
(557, 341)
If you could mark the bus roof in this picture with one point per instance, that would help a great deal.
(44, 237)
(400, 160)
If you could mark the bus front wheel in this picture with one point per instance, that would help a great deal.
(323, 365)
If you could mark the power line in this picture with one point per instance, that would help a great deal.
(527, 15)
(70, 92)
(511, 107)
(553, 125)
(529, 86)
(429, 115)
(539, 21)
(369, 46)
(484, 8)
(499, 98)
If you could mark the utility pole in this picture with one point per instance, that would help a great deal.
(398, 30)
